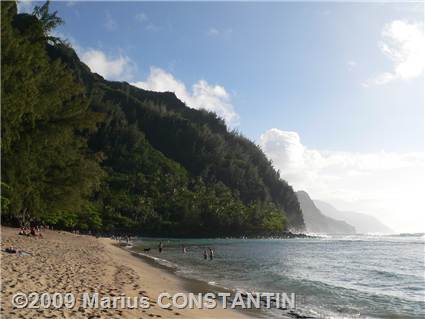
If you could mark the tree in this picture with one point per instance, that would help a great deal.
(49, 21)
(45, 114)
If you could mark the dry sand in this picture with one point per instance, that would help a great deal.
(69, 263)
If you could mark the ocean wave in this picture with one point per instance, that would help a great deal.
(418, 238)
(418, 235)
(319, 235)
(160, 261)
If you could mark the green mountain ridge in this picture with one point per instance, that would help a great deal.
(158, 167)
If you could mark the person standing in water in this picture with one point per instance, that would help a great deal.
(205, 254)
(211, 253)
(160, 247)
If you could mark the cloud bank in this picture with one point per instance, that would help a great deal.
(117, 68)
(389, 186)
(202, 95)
(111, 68)
(404, 44)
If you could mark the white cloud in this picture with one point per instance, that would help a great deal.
(153, 27)
(141, 17)
(219, 32)
(110, 23)
(403, 44)
(389, 186)
(202, 96)
(213, 32)
(118, 68)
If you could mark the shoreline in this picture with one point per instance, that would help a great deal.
(194, 285)
(69, 263)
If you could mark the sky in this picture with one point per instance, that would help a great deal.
(332, 92)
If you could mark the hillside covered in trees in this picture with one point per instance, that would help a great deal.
(80, 152)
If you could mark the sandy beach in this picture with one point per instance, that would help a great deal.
(68, 263)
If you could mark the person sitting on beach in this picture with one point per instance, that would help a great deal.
(11, 250)
(211, 253)
(27, 231)
(160, 247)
(35, 232)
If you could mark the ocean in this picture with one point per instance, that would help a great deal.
(356, 276)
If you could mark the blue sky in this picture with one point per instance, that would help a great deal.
(344, 78)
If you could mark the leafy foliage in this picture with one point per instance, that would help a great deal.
(48, 20)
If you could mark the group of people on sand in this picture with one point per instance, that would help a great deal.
(207, 254)
(25, 231)
(34, 231)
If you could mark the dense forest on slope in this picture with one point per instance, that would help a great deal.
(82, 152)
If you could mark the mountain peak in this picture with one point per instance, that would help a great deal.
(317, 222)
